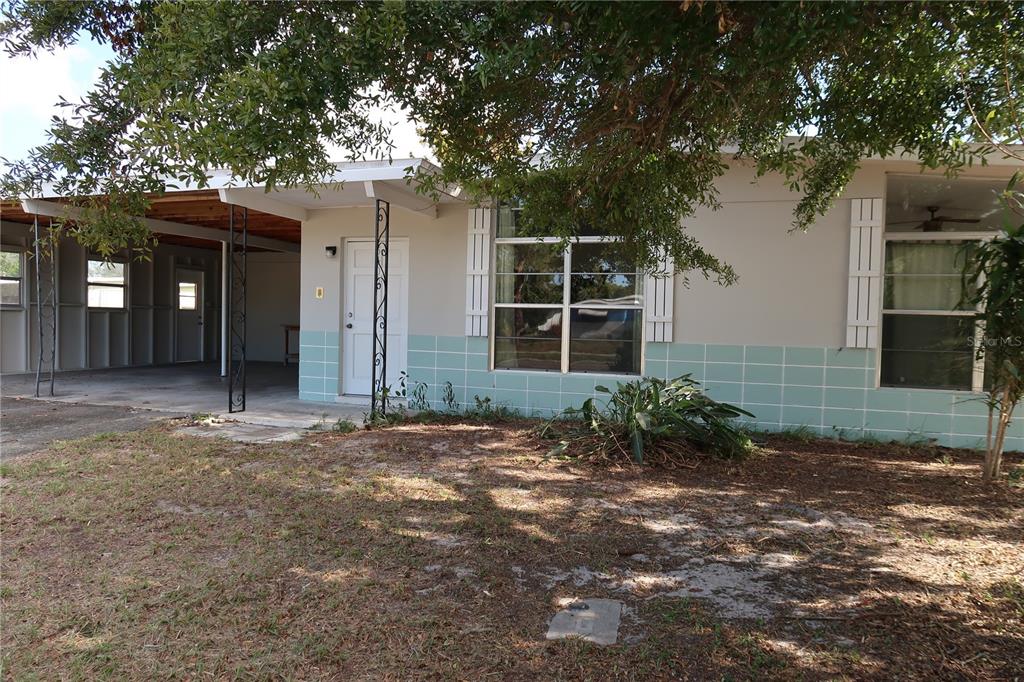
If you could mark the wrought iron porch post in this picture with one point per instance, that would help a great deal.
(237, 262)
(49, 303)
(379, 365)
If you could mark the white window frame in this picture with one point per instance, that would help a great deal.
(22, 279)
(565, 306)
(123, 287)
(978, 374)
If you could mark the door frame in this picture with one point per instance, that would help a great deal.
(200, 308)
(343, 276)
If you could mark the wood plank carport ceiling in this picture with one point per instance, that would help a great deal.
(201, 207)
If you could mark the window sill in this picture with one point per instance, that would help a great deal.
(918, 389)
(556, 372)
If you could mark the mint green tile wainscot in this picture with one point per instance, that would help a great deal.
(829, 390)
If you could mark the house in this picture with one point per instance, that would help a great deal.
(850, 328)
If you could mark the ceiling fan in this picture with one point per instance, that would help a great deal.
(934, 222)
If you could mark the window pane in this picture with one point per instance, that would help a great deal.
(106, 297)
(105, 273)
(508, 221)
(601, 275)
(603, 340)
(923, 351)
(528, 338)
(186, 296)
(10, 292)
(529, 273)
(924, 276)
(10, 264)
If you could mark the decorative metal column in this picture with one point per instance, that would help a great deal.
(379, 369)
(46, 310)
(237, 248)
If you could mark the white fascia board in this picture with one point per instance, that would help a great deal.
(400, 197)
(259, 200)
(56, 210)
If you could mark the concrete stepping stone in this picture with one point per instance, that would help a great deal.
(595, 620)
(242, 433)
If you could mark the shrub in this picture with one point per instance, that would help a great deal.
(344, 426)
(651, 419)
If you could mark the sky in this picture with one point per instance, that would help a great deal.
(35, 84)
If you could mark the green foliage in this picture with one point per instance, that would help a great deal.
(651, 416)
(483, 410)
(994, 283)
(448, 399)
(418, 397)
(623, 108)
(344, 426)
(800, 434)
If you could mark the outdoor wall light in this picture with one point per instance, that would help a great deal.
(331, 251)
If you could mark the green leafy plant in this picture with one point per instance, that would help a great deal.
(628, 121)
(344, 426)
(386, 412)
(486, 410)
(993, 282)
(418, 397)
(448, 399)
(650, 420)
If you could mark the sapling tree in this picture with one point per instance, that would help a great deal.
(994, 283)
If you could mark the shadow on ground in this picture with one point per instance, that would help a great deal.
(442, 551)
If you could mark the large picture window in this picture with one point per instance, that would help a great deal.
(927, 335)
(12, 276)
(577, 309)
(106, 284)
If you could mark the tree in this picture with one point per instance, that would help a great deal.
(610, 114)
(994, 283)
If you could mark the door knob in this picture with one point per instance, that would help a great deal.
(348, 326)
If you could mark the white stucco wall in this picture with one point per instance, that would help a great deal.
(273, 300)
(792, 287)
(437, 266)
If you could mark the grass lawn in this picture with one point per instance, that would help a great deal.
(442, 551)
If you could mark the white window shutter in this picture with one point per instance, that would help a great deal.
(658, 288)
(866, 253)
(478, 259)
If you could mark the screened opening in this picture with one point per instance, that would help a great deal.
(186, 296)
(932, 225)
(12, 268)
(106, 284)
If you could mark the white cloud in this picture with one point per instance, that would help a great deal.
(35, 85)
(403, 134)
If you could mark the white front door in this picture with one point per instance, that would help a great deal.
(357, 317)
(189, 304)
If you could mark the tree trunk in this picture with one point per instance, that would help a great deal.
(995, 441)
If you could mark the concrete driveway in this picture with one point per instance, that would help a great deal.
(273, 393)
(28, 425)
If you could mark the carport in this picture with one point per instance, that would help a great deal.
(147, 328)
(237, 237)
(189, 390)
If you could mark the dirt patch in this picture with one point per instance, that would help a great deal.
(443, 551)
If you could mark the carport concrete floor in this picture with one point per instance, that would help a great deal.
(271, 392)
